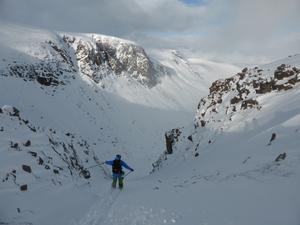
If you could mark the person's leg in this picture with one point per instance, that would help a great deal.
(114, 182)
(121, 179)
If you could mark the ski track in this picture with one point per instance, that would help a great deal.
(98, 212)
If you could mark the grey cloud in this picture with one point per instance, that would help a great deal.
(240, 30)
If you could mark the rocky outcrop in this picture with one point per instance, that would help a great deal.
(100, 56)
(26, 168)
(24, 187)
(280, 157)
(243, 90)
(57, 61)
(171, 137)
(53, 68)
(233, 98)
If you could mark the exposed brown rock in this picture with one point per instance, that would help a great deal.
(264, 87)
(171, 137)
(235, 100)
(250, 103)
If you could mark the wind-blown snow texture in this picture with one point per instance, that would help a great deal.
(70, 100)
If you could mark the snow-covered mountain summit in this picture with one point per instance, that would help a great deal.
(99, 55)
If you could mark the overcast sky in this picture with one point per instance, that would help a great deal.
(250, 31)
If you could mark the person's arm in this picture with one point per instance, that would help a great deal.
(110, 162)
(126, 166)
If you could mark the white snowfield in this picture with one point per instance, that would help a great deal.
(234, 180)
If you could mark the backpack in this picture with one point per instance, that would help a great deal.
(116, 166)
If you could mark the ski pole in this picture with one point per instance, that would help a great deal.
(95, 165)
(127, 174)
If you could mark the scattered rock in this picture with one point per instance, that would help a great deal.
(202, 123)
(280, 157)
(47, 81)
(196, 154)
(171, 137)
(23, 187)
(235, 100)
(15, 112)
(283, 71)
(250, 103)
(10, 110)
(273, 137)
(86, 174)
(245, 70)
(47, 167)
(27, 144)
(26, 168)
(14, 145)
(55, 171)
(190, 138)
(264, 87)
(34, 154)
(41, 161)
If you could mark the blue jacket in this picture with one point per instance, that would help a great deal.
(123, 164)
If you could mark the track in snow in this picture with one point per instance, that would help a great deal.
(97, 214)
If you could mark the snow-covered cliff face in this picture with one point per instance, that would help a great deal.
(99, 56)
(54, 57)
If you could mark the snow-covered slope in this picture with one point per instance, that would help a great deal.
(239, 162)
(77, 97)
(69, 100)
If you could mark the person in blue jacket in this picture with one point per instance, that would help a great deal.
(117, 172)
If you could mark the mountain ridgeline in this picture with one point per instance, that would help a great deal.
(94, 56)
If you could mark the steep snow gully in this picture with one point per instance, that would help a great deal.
(69, 101)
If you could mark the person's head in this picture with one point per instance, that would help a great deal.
(118, 157)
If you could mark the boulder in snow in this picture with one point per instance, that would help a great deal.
(10, 110)
(280, 157)
(26, 168)
(27, 143)
(23, 187)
